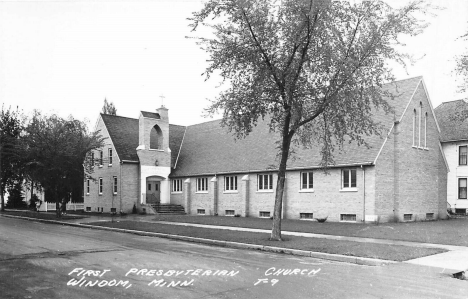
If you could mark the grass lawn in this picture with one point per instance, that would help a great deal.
(42, 215)
(450, 232)
(386, 252)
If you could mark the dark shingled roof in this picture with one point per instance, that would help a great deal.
(452, 120)
(208, 148)
(151, 114)
(123, 132)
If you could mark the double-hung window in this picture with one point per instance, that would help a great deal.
(462, 155)
(230, 183)
(307, 180)
(177, 185)
(462, 188)
(348, 178)
(100, 185)
(115, 185)
(265, 182)
(92, 159)
(101, 158)
(110, 157)
(87, 186)
(202, 184)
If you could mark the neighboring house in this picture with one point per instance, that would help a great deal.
(453, 121)
(402, 176)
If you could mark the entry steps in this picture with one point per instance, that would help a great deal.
(169, 209)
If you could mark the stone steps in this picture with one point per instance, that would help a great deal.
(168, 209)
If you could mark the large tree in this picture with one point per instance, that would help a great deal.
(109, 108)
(11, 127)
(315, 68)
(57, 154)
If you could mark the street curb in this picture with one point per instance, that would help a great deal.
(321, 255)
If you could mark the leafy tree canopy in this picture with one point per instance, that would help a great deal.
(109, 108)
(57, 153)
(315, 68)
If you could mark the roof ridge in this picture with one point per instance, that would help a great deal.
(447, 102)
(118, 116)
(410, 78)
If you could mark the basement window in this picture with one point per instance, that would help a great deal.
(264, 214)
(201, 211)
(460, 211)
(229, 212)
(306, 215)
(88, 209)
(348, 217)
(429, 216)
(407, 217)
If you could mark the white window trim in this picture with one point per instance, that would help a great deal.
(197, 185)
(348, 189)
(115, 185)
(88, 186)
(109, 150)
(265, 190)
(235, 181)
(181, 186)
(458, 156)
(101, 186)
(306, 190)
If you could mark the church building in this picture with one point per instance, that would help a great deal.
(149, 164)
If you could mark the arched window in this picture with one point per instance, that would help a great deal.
(425, 130)
(414, 127)
(156, 138)
(420, 114)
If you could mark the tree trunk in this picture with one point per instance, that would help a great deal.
(58, 211)
(286, 144)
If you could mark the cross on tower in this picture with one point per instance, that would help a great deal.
(162, 100)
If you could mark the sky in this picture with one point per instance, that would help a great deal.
(66, 57)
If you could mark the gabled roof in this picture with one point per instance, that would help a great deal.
(151, 114)
(123, 132)
(452, 120)
(209, 148)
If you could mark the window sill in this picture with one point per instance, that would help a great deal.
(230, 192)
(156, 150)
(100, 166)
(201, 192)
(421, 148)
(349, 190)
(110, 165)
(349, 221)
(100, 194)
(306, 191)
(115, 193)
(176, 192)
(265, 191)
(306, 219)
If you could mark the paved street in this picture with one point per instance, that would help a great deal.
(39, 260)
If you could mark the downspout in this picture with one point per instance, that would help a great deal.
(364, 194)
(120, 183)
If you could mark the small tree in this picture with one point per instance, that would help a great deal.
(56, 151)
(314, 67)
(109, 108)
(16, 197)
(11, 128)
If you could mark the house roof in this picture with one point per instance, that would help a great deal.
(123, 132)
(453, 121)
(209, 148)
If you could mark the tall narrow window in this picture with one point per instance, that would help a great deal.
(115, 185)
(100, 185)
(177, 185)
(462, 188)
(202, 184)
(425, 130)
(307, 180)
(110, 157)
(92, 159)
(87, 186)
(101, 158)
(462, 155)
(349, 178)
(420, 114)
(414, 127)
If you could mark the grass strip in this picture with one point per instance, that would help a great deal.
(359, 249)
(449, 232)
(42, 215)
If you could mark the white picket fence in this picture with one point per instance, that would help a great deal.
(70, 206)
